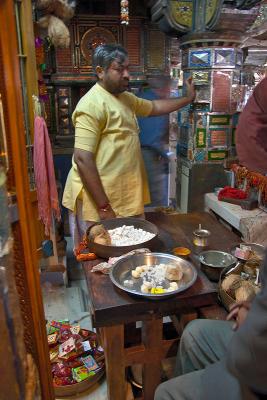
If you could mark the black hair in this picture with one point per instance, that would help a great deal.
(105, 54)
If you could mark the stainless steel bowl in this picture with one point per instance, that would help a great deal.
(115, 251)
(122, 270)
(214, 261)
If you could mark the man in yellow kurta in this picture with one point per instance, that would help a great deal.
(107, 178)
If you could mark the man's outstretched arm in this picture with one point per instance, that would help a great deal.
(165, 106)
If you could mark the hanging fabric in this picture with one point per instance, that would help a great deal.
(48, 204)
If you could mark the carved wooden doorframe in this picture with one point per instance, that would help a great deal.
(25, 261)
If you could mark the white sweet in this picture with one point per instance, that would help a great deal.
(145, 289)
(147, 284)
(135, 274)
(173, 285)
(128, 235)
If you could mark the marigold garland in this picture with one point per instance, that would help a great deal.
(252, 180)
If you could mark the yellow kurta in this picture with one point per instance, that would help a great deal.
(106, 125)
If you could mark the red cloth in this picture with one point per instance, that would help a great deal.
(251, 131)
(46, 187)
(232, 193)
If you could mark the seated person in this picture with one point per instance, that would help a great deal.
(215, 362)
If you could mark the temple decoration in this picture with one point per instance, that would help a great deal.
(125, 12)
(211, 54)
(52, 15)
(93, 38)
(40, 63)
(249, 180)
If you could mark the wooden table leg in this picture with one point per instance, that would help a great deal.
(113, 343)
(152, 340)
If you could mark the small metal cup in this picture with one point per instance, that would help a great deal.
(200, 239)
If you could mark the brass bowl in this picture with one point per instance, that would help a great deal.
(105, 251)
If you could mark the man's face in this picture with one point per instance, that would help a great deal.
(116, 78)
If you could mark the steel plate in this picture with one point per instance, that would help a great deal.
(122, 270)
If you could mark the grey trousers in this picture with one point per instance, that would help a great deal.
(203, 342)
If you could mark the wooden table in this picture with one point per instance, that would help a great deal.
(112, 309)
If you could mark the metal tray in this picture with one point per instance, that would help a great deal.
(122, 269)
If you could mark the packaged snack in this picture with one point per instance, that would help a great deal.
(86, 345)
(60, 370)
(64, 381)
(52, 339)
(50, 329)
(60, 325)
(90, 363)
(77, 362)
(84, 333)
(53, 353)
(64, 335)
(75, 329)
(80, 373)
(66, 347)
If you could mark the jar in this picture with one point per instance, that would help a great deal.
(201, 238)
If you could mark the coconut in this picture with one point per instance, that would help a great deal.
(245, 292)
(230, 282)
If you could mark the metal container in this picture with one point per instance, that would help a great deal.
(201, 239)
(214, 261)
(258, 249)
(122, 269)
(104, 251)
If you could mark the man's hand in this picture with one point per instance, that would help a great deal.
(190, 88)
(239, 311)
(109, 214)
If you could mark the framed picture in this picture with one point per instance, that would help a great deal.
(220, 119)
(200, 137)
(200, 58)
(201, 77)
(217, 155)
(224, 57)
(218, 137)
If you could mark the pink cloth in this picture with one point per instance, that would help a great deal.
(46, 187)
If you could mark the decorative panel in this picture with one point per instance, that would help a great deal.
(90, 34)
(133, 45)
(64, 60)
(207, 133)
(155, 50)
(200, 58)
(93, 38)
(224, 57)
(222, 84)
